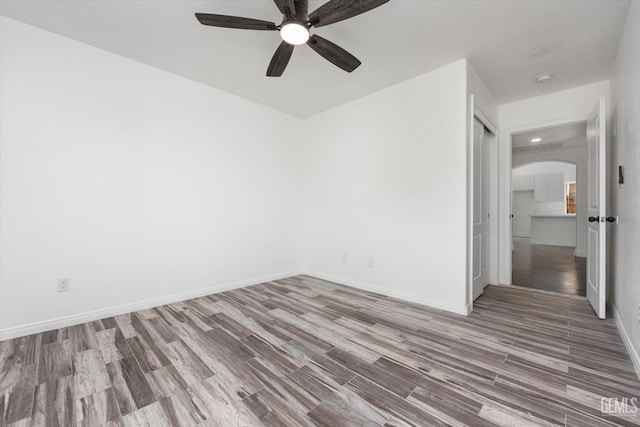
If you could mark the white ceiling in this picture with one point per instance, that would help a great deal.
(553, 138)
(398, 41)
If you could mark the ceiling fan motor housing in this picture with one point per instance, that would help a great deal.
(302, 12)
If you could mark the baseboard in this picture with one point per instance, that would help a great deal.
(468, 309)
(581, 254)
(62, 322)
(429, 302)
(633, 353)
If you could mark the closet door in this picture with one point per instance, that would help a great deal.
(480, 210)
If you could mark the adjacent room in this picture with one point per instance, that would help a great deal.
(319, 213)
(548, 226)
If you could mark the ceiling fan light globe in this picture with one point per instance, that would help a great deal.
(294, 33)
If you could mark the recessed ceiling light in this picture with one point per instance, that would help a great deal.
(539, 53)
(536, 140)
(545, 78)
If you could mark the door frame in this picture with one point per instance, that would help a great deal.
(505, 188)
(475, 111)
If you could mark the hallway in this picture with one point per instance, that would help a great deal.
(548, 268)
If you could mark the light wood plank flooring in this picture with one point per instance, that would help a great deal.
(302, 351)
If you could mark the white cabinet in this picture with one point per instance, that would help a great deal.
(548, 187)
(556, 187)
(522, 183)
(541, 188)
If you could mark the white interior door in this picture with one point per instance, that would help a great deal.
(597, 238)
(480, 209)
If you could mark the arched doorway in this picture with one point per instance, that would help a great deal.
(546, 236)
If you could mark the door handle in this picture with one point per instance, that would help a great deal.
(611, 219)
(594, 219)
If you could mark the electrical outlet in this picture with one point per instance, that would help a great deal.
(344, 258)
(371, 262)
(63, 284)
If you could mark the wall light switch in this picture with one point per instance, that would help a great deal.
(344, 258)
(371, 263)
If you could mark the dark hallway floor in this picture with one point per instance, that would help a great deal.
(549, 268)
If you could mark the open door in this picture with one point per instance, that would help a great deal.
(597, 237)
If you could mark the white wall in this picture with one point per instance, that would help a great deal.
(624, 256)
(135, 183)
(568, 106)
(386, 178)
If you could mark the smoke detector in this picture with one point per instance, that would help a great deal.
(539, 53)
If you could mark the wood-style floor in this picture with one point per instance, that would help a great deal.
(303, 351)
(548, 268)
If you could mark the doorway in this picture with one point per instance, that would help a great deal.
(548, 203)
(591, 170)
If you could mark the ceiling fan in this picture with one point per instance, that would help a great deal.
(295, 27)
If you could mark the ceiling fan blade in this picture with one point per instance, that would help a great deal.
(235, 22)
(287, 7)
(280, 60)
(334, 53)
(339, 10)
